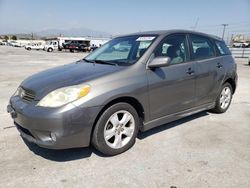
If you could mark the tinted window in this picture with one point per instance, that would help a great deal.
(173, 46)
(222, 48)
(202, 47)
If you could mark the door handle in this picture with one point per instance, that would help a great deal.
(219, 65)
(190, 71)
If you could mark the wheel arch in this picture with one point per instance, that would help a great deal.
(232, 83)
(50, 48)
(127, 99)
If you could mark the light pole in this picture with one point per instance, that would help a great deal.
(224, 28)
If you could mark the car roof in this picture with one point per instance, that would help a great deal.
(165, 32)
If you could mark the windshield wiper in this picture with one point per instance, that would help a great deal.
(89, 61)
(100, 62)
(105, 62)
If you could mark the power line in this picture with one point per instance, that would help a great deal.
(233, 24)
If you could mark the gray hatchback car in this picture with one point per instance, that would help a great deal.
(133, 82)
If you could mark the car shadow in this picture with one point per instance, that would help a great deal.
(170, 125)
(81, 153)
(63, 155)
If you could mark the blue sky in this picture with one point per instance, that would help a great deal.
(119, 17)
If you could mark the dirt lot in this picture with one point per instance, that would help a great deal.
(204, 150)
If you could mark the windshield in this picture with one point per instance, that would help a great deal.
(122, 50)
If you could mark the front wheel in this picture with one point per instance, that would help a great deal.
(116, 129)
(224, 99)
(50, 50)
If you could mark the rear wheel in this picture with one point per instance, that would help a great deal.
(116, 129)
(224, 99)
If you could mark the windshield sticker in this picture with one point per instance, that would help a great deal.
(145, 38)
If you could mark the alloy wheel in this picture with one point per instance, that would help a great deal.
(119, 129)
(225, 97)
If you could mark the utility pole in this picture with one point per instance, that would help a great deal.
(224, 28)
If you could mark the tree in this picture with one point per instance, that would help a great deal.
(14, 37)
(6, 38)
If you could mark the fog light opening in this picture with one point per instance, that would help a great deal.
(53, 136)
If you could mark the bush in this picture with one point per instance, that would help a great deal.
(14, 37)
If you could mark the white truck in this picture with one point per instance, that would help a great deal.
(51, 46)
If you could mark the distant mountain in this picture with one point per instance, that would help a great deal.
(73, 32)
(22, 36)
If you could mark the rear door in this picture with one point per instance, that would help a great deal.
(172, 88)
(209, 68)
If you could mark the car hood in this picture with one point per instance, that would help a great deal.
(72, 74)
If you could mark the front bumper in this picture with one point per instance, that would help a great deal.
(56, 128)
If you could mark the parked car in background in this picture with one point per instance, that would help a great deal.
(51, 46)
(16, 44)
(93, 47)
(77, 45)
(241, 45)
(133, 82)
(3, 43)
(35, 46)
(65, 45)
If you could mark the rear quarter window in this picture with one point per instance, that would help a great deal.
(222, 48)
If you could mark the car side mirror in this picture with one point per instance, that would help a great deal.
(159, 62)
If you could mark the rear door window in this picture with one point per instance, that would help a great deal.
(202, 48)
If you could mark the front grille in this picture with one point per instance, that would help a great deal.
(26, 95)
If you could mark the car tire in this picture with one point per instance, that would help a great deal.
(72, 51)
(50, 50)
(224, 99)
(120, 124)
(29, 49)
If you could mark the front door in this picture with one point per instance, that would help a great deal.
(172, 88)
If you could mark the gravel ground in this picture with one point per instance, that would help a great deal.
(204, 150)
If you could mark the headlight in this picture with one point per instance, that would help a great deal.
(17, 92)
(64, 95)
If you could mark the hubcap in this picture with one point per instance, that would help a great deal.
(225, 97)
(119, 129)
